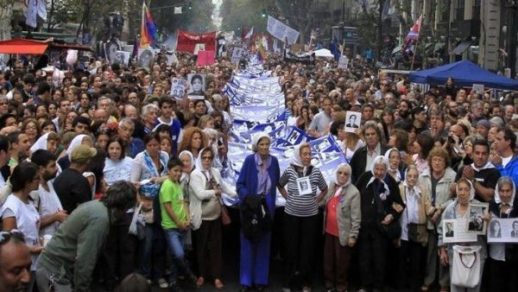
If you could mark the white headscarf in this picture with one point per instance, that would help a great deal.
(199, 164)
(191, 157)
(387, 158)
(78, 140)
(471, 190)
(257, 137)
(297, 160)
(41, 143)
(380, 160)
(416, 188)
(501, 180)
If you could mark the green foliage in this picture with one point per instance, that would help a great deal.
(197, 18)
(249, 13)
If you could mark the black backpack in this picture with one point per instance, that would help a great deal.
(255, 217)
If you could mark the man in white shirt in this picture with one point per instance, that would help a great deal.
(320, 124)
(47, 201)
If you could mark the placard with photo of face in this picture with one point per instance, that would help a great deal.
(353, 121)
(196, 86)
(503, 230)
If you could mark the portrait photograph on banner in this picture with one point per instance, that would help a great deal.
(122, 57)
(353, 121)
(476, 222)
(455, 230)
(503, 230)
(196, 86)
(178, 87)
(145, 57)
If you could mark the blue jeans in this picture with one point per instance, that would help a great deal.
(151, 259)
(175, 242)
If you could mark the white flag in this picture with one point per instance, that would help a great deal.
(249, 33)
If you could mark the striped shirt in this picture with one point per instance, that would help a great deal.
(302, 205)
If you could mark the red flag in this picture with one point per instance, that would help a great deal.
(187, 41)
(205, 58)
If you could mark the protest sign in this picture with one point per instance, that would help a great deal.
(188, 41)
(281, 31)
(205, 58)
(178, 87)
(503, 230)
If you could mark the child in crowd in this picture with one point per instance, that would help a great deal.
(174, 210)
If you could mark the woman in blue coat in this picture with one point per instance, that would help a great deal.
(259, 175)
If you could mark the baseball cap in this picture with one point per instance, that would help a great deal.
(82, 153)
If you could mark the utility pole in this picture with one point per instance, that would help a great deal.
(380, 27)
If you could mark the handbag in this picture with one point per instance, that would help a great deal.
(224, 215)
(466, 266)
(418, 233)
(136, 227)
(255, 217)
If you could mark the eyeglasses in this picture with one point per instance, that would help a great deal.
(5, 236)
(206, 157)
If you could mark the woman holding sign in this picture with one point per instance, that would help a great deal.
(464, 276)
(301, 222)
(503, 256)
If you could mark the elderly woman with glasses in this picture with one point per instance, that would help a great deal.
(206, 188)
(342, 219)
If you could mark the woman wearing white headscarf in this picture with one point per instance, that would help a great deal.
(48, 141)
(395, 169)
(503, 257)
(414, 234)
(64, 162)
(189, 163)
(342, 218)
(259, 175)
(206, 188)
(460, 209)
(301, 222)
(381, 206)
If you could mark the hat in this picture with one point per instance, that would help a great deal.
(82, 153)
(484, 123)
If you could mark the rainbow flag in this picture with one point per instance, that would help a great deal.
(148, 30)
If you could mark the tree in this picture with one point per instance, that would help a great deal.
(250, 13)
(298, 13)
(196, 16)
(6, 14)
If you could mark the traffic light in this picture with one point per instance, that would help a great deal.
(263, 15)
(190, 5)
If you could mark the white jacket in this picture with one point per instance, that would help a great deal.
(198, 193)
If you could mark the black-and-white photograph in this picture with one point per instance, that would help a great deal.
(145, 57)
(304, 185)
(178, 86)
(122, 57)
(514, 231)
(294, 136)
(196, 85)
(353, 121)
(476, 222)
(449, 232)
(503, 230)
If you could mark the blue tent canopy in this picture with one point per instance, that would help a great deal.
(464, 73)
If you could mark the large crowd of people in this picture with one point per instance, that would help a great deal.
(108, 181)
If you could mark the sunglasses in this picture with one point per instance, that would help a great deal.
(5, 236)
(207, 158)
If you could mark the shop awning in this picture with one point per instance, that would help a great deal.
(23, 46)
(461, 47)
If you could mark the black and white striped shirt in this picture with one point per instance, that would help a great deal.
(302, 205)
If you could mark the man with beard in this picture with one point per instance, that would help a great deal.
(452, 114)
(404, 109)
(68, 260)
(48, 203)
(15, 262)
(20, 148)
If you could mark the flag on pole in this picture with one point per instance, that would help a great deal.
(148, 30)
(413, 34)
(249, 33)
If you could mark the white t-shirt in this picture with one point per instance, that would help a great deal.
(117, 170)
(27, 221)
(506, 160)
(49, 204)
